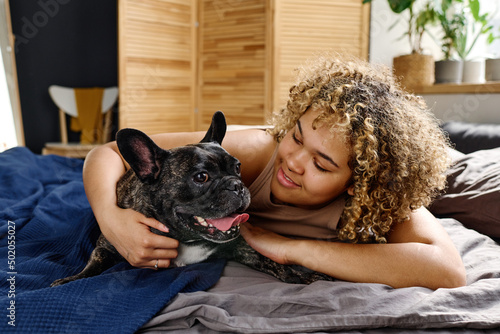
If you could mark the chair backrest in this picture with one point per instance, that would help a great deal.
(64, 98)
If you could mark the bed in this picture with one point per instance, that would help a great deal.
(47, 231)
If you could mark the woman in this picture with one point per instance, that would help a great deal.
(352, 157)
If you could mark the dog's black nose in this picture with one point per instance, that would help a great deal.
(235, 186)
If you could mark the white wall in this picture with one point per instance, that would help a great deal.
(7, 130)
(386, 44)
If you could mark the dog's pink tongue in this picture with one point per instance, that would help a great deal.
(226, 223)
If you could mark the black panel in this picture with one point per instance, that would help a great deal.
(65, 42)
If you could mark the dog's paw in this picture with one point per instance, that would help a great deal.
(62, 281)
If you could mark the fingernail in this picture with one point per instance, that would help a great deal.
(164, 228)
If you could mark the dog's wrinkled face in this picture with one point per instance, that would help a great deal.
(195, 190)
(210, 196)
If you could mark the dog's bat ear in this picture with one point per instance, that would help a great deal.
(217, 129)
(141, 153)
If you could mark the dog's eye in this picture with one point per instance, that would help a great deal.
(237, 169)
(201, 177)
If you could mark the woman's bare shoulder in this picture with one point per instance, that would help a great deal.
(253, 148)
(170, 140)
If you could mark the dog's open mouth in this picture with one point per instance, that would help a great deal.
(220, 229)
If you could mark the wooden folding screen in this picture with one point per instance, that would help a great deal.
(232, 60)
(180, 61)
(304, 27)
(157, 64)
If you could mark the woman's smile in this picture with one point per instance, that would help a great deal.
(285, 180)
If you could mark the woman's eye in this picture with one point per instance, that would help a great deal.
(201, 177)
(295, 139)
(318, 167)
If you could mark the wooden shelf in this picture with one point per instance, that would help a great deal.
(486, 88)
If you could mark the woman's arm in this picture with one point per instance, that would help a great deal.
(419, 252)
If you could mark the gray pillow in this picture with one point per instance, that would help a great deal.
(471, 137)
(473, 193)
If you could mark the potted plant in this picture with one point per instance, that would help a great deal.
(462, 25)
(451, 20)
(415, 69)
(492, 69)
(476, 25)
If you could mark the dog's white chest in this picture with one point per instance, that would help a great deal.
(188, 254)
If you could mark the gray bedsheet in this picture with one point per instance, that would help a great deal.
(246, 301)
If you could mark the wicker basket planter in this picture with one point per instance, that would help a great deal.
(414, 70)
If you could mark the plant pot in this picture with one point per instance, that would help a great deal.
(414, 70)
(473, 71)
(449, 71)
(492, 69)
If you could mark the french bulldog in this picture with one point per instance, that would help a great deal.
(197, 192)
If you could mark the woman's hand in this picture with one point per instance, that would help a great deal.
(136, 243)
(267, 243)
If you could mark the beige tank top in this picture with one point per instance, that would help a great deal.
(288, 220)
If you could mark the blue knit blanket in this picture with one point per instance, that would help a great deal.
(47, 231)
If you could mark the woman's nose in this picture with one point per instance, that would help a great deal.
(296, 161)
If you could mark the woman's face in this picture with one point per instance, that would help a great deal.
(311, 168)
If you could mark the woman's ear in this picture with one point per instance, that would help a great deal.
(350, 190)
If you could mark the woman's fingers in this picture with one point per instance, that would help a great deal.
(162, 258)
(159, 263)
(151, 222)
(151, 247)
(137, 244)
(265, 242)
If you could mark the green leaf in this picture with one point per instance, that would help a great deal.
(490, 39)
(393, 25)
(398, 6)
(474, 6)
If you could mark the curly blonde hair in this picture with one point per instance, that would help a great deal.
(398, 152)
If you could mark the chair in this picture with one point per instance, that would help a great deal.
(96, 102)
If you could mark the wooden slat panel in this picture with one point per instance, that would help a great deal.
(232, 61)
(240, 60)
(157, 53)
(305, 27)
